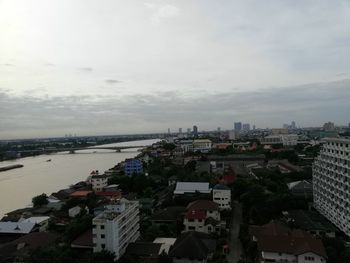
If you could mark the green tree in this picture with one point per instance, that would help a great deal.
(40, 200)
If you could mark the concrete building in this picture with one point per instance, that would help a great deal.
(285, 139)
(133, 166)
(222, 196)
(202, 216)
(202, 145)
(329, 126)
(195, 131)
(98, 182)
(116, 227)
(237, 126)
(331, 182)
(233, 135)
(246, 127)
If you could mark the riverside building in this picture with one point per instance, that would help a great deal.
(116, 227)
(331, 182)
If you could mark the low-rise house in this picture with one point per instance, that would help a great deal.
(192, 188)
(133, 166)
(13, 230)
(111, 188)
(222, 196)
(76, 210)
(193, 247)
(166, 243)
(202, 216)
(42, 222)
(169, 215)
(310, 221)
(83, 241)
(20, 249)
(278, 243)
(143, 250)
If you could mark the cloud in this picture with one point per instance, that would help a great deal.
(113, 81)
(162, 12)
(308, 105)
(86, 69)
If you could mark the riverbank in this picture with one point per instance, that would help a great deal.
(10, 167)
(39, 176)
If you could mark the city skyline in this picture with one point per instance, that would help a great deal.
(132, 67)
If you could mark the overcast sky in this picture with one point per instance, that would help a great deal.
(131, 66)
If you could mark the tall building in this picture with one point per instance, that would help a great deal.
(246, 127)
(180, 130)
(116, 227)
(238, 126)
(188, 130)
(293, 125)
(331, 182)
(195, 131)
(329, 126)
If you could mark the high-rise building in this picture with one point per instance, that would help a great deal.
(195, 131)
(246, 127)
(331, 182)
(180, 130)
(254, 127)
(238, 126)
(168, 130)
(219, 129)
(116, 227)
(293, 125)
(329, 126)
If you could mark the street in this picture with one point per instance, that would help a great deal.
(234, 242)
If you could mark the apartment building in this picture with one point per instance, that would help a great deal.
(116, 227)
(331, 182)
(222, 196)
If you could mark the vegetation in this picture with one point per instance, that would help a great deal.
(40, 200)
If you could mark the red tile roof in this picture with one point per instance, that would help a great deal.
(196, 214)
(80, 193)
(205, 205)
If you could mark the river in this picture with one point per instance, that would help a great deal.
(18, 186)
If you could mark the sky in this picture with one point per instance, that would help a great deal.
(94, 67)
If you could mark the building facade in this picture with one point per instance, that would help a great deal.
(202, 216)
(222, 196)
(116, 227)
(98, 182)
(133, 166)
(331, 182)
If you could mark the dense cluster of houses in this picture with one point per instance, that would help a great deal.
(116, 218)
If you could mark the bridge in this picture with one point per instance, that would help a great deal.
(74, 149)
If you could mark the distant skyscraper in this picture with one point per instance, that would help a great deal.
(254, 127)
(168, 130)
(219, 129)
(180, 130)
(237, 126)
(293, 125)
(329, 126)
(188, 130)
(195, 131)
(246, 127)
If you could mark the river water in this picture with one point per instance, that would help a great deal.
(18, 186)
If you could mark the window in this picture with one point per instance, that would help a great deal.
(102, 236)
(103, 246)
(102, 227)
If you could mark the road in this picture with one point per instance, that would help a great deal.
(234, 242)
